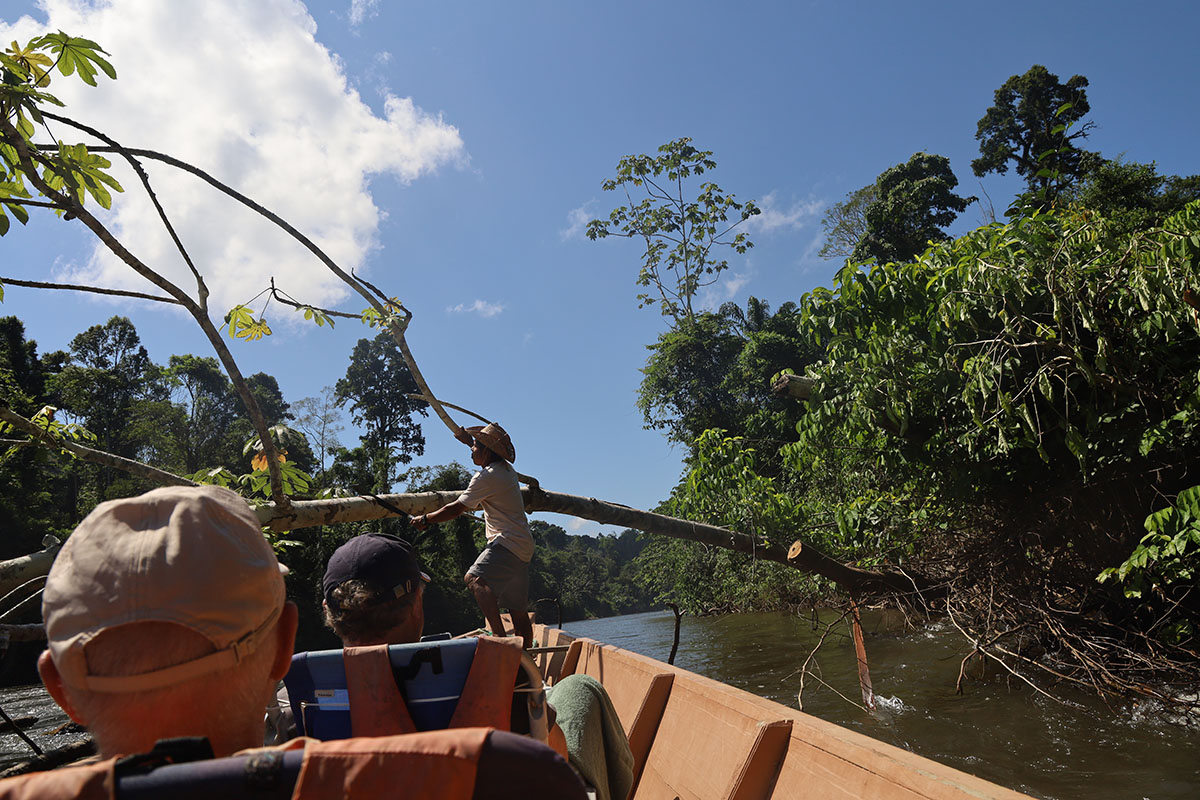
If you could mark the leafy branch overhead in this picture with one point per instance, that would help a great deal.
(679, 234)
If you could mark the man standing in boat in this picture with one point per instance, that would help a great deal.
(499, 578)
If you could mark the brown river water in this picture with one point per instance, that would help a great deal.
(997, 729)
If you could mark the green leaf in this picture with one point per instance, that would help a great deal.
(1188, 501)
(78, 55)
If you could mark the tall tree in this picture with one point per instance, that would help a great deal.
(680, 234)
(378, 388)
(1135, 195)
(1034, 125)
(108, 374)
(207, 401)
(845, 223)
(913, 202)
(319, 420)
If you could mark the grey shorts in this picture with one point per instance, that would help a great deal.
(505, 574)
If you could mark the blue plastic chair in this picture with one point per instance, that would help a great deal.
(430, 676)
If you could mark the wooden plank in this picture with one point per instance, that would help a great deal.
(713, 742)
(638, 688)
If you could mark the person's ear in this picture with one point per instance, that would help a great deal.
(54, 685)
(285, 643)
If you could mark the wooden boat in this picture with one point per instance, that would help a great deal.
(694, 738)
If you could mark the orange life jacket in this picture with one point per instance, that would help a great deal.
(88, 782)
(439, 764)
(377, 708)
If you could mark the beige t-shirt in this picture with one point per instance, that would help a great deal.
(496, 489)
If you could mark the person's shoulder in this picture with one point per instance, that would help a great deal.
(499, 469)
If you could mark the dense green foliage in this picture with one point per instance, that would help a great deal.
(378, 390)
(715, 372)
(912, 202)
(1007, 370)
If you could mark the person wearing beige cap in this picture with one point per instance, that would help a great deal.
(166, 616)
(499, 578)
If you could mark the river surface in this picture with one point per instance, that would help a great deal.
(997, 729)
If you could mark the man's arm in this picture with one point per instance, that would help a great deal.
(443, 514)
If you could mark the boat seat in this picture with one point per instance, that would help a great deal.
(430, 675)
(551, 662)
(714, 741)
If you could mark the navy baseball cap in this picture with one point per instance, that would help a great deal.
(384, 562)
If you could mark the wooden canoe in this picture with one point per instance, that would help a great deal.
(694, 738)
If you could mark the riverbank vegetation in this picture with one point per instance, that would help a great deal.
(1011, 412)
(999, 426)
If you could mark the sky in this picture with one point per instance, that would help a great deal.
(452, 152)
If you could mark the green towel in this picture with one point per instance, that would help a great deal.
(596, 741)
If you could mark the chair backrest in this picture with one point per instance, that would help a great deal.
(430, 676)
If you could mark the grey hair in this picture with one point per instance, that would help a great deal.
(360, 612)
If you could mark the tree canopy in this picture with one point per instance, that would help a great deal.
(679, 234)
(1035, 124)
(912, 203)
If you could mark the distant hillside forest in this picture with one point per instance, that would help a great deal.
(1011, 415)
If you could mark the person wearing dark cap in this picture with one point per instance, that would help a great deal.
(373, 593)
(499, 578)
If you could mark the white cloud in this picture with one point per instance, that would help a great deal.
(577, 220)
(773, 218)
(362, 10)
(480, 307)
(711, 297)
(242, 90)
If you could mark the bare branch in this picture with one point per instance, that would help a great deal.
(81, 288)
(101, 457)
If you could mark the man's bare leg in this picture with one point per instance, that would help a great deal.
(522, 627)
(486, 600)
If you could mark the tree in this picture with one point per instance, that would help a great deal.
(378, 387)
(1033, 124)
(318, 419)
(716, 373)
(912, 203)
(208, 411)
(679, 234)
(845, 223)
(108, 374)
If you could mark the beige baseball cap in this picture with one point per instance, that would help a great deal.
(193, 556)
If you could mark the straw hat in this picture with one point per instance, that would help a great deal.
(494, 438)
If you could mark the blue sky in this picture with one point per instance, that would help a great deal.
(449, 152)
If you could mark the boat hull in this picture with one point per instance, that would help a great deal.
(694, 738)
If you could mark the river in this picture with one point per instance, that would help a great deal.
(997, 729)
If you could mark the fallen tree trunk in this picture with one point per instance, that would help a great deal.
(16, 572)
(861, 582)
(795, 385)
